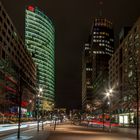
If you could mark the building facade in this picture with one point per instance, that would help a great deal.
(98, 51)
(40, 41)
(86, 75)
(102, 44)
(18, 72)
(124, 76)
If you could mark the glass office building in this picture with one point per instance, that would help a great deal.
(40, 41)
(102, 44)
(17, 73)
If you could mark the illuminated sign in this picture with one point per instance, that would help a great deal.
(24, 104)
(31, 8)
(123, 119)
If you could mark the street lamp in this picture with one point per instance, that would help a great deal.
(29, 108)
(40, 90)
(110, 90)
(38, 100)
(108, 94)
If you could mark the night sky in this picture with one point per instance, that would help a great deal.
(72, 20)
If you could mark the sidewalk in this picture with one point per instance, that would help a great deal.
(125, 130)
(122, 130)
(42, 134)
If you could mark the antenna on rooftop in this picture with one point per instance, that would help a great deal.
(100, 10)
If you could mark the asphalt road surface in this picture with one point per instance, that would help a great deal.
(70, 132)
(73, 132)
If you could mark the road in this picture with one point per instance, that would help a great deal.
(73, 132)
(69, 132)
(28, 130)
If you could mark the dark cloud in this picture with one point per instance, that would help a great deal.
(72, 20)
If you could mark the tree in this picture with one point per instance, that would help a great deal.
(132, 74)
(46, 105)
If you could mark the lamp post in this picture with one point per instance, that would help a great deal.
(38, 112)
(109, 103)
(38, 103)
(137, 100)
(41, 93)
(20, 90)
(30, 106)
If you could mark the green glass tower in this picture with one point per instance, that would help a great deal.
(40, 41)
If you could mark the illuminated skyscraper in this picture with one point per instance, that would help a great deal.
(86, 74)
(96, 55)
(40, 41)
(102, 44)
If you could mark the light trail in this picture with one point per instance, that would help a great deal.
(7, 127)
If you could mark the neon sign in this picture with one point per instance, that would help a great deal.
(31, 8)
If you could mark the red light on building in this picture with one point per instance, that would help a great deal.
(24, 104)
(31, 8)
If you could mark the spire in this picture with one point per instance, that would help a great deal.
(100, 10)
